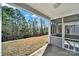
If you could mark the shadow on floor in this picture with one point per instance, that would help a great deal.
(52, 50)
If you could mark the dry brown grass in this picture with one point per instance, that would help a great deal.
(23, 47)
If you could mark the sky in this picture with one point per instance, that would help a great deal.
(28, 15)
(31, 16)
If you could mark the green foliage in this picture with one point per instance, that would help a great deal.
(15, 26)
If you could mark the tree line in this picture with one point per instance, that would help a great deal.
(15, 26)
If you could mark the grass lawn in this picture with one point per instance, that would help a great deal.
(23, 47)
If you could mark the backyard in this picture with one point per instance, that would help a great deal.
(22, 32)
(23, 47)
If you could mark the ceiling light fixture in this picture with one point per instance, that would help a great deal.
(56, 5)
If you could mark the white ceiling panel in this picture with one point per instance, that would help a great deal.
(63, 9)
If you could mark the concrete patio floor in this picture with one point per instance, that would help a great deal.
(52, 50)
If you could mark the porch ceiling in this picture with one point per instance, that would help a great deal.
(52, 10)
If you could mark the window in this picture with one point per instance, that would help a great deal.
(56, 27)
(72, 32)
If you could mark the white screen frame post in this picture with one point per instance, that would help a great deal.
(63, 32)
(49, 31)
